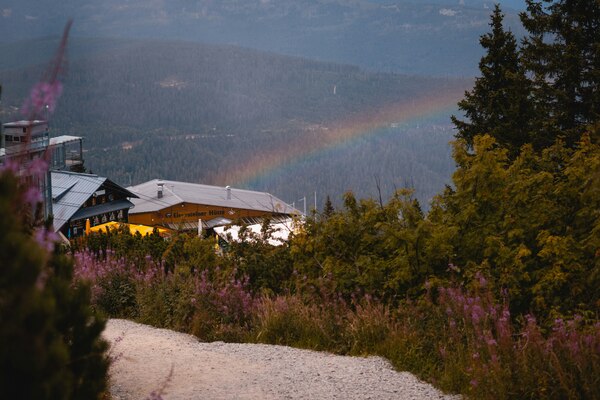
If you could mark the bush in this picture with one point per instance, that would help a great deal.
(50, 344)
(467, 343)
(118, 296)
(293, 321)
(368, 326)
(164, 301)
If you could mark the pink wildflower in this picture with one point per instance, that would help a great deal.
(42, 98)
(32, 196)
(38, 167)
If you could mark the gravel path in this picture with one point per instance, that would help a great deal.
(148, 356)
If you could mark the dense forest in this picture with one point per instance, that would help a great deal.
(189, 112)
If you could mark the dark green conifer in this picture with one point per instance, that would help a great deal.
(562, 56)
(328, 209)
(498, 105)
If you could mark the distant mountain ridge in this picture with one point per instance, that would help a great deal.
(427, 38)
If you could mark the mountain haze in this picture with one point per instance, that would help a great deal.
(202, 113)
(429, 38)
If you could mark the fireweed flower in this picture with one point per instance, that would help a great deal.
(477, 313)
(11, 166)
(45, 239)
(42, 98)
(44, 95)
(32, 196)
(38, 167)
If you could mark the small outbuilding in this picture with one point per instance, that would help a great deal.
(78, 197)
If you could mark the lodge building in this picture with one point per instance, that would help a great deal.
(181, 205)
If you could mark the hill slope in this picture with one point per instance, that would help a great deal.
(227, 115)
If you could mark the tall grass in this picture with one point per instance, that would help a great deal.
(463, 342)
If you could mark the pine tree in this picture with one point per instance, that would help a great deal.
(562, 56)
(498, 105)
(328, 209)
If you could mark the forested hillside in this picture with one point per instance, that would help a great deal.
(195, 112)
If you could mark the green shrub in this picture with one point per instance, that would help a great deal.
(165, 301)
(50, 344)
(288, 320)
(117, 295)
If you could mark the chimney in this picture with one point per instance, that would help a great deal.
(228, 192)
(160, 185)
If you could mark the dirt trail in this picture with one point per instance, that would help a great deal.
(246, 371)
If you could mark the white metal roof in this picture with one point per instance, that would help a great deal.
(63, 139)
(175, 192)
(24, 123)
(69, 191)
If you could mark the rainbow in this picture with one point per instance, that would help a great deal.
(337, 134)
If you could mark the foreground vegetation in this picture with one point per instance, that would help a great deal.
(50, 344)
(459, 337)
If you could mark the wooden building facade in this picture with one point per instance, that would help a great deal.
(180, 205)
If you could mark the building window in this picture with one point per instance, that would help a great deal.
(9, 138)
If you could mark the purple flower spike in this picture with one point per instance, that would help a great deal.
(42, 99)
(32, 196)
(38, 167)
